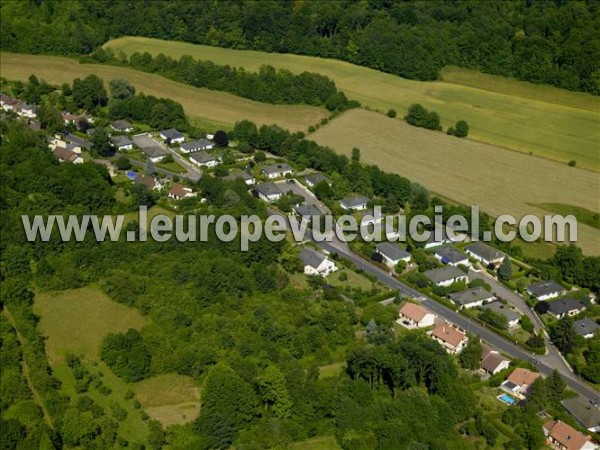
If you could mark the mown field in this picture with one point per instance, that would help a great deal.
(501, 182)
(202, 105)
(543, 120)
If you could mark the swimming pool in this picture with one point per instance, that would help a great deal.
(507, 399)
(130, 174)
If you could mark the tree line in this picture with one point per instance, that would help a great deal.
(541, 42)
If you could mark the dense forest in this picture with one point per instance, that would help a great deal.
(552, 42)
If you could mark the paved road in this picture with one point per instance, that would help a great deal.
(546, 363)
(165, 172)
(193, 173)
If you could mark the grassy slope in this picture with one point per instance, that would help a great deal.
(203, 105)
(501, 182)
(546, 121)
(77, 320)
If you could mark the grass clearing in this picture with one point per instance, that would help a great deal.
(544, 120)
(331, 370)
(202, 105)
(317, 443)
(170, 398)
(77, 320)
(473, 173)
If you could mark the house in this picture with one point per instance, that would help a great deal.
(452, 339)
(155, 153)
(472, 297)
(565, 307)
(564, 437)
(415, 316)
(493, 362)
(449, 255)
(486, 254)
(279, 170)
(316, 263)
(8, 103)
(234, 175)
(519, 381)
(172, 136)
(308, 211)
(73, 119)
(586, 413)
(392, 254)
(79, 142)
(315, 178)
(354, 203)
(444, 237)
(204, 159)
(269, 192)
(545, 290)
(445, 276)
(24, 109)
(512, 316)
(196, 146)
(122, 126)
(65, 155)
(148, 181)
(121, 142)
(585, 327)
(178, 191)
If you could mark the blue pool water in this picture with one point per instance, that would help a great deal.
(130, 174)
(507, 399)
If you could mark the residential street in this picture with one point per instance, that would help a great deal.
(547, 363)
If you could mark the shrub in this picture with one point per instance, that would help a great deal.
(311, 129)
(391, 113)
(168, 159)
(572, 163)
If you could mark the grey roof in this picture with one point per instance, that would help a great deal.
(307, 210)
(585, 326)
(565, 305)
(352, 202)
(485, 251)
(203, 157)
(200, 144)
(79, 141)
(444, 274)
(155, 151)
(275, 168)
(238, 174)
(121, 125)
(500, 308)
(316, 178)
(311, 257)
(268, 189)
(586, 414)
(449, 254)
(120, 141)
(471, 295)
(391, 251)
(172, 133)
(545, 288)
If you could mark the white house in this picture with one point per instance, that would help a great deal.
(546, 290)
(586, 412)
(565, 307)
(316, 263)
(26, 110)
(65, 155)
(122, 126)
(155, 153)
(279, 170)
(486, 254)
(121, 143)
(493, 362)
(519, 382)
(451, 256)
(178, 192)
(512, 316)
(148, 181)
(204, 159)
(269, 192)
(8, 103)
(452, 339)
(315, 178)
(172, 136)
(354, 203)
(196, 146)
(564, 437)
(392, 254)
(234, 175)
(415, 316)
(470, 298)
(447, 275)
(585, 328)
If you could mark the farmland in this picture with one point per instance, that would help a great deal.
(501, 182)
(202, 105)
(543, 120)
